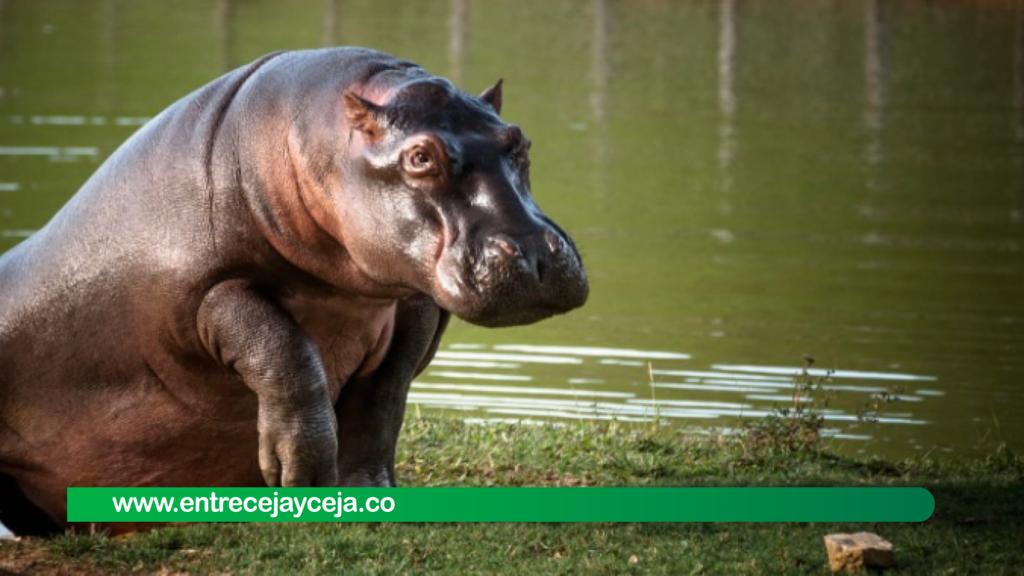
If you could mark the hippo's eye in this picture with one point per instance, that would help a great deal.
(419, 161)
(521, 157)
(519, 151)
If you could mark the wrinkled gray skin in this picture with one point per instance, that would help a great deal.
(244, 290)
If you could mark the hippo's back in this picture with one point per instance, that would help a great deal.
(83, 297)
(94, 303)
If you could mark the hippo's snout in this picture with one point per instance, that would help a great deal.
(504, 251)
(520, 280)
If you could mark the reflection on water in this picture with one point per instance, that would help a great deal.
(588, 351)
(726, 90)
(748, 183)
(875, 78)
(720, 394)
(1018, 78)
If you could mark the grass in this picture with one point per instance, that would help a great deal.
(795, 428)
(975, 530)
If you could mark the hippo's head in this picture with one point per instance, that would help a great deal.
(436, 191)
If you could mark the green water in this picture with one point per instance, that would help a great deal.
(748, 183)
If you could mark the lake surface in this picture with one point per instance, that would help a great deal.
(748, 182)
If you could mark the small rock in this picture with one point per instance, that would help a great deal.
(857, 551)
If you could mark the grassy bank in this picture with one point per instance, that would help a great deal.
(976, 529)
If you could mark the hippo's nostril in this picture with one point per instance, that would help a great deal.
(553, 241)
(507, 245)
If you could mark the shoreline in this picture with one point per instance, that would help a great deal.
(974, 530)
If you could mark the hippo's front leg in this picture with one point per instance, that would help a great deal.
(370, 409)
(251, 336)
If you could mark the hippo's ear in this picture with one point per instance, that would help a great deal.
(492, 96)
(362, 114)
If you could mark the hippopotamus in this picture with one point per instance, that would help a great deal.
(243, 291)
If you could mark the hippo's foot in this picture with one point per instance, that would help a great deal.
(368, 477)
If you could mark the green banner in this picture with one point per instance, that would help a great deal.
(499, 504)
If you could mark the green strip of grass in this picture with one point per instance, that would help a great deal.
(976, 530)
